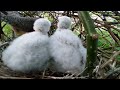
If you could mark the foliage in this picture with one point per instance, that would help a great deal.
(7, 30)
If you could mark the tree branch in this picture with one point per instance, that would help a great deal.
(92, 38)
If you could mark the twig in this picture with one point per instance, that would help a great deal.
(106, 25)
(116, 53)
(112, 66)
(81, 72)
(113, 36)
(113, 74)
(110, 60)
(51, 77)
(43, 74)
(6, 43)
(98, 66)
(2, 77)
(109, 29)
(4, 25)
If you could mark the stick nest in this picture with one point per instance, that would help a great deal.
(107, 67)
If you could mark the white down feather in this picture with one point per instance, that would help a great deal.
(66, 49)
(29, 52)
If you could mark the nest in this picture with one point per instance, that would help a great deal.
(106, 68)
(7, 73)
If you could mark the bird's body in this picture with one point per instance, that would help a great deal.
(65, 48)
(29, 52)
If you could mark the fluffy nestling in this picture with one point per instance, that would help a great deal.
(29, 52)
(66, 49)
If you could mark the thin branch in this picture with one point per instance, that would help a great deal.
(113, 74)
(110, 60)
(6, 43)
(3, 77)
(52, 77)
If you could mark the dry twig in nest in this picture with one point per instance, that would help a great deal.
(3, 77)
(6, 43)
(110, 60)
(52, 77)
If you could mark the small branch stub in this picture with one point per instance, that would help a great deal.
(95, 36)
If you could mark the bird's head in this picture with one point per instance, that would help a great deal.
(64, 22)
(43, 25)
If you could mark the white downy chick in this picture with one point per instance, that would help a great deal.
(29, 52)
(66, 49)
